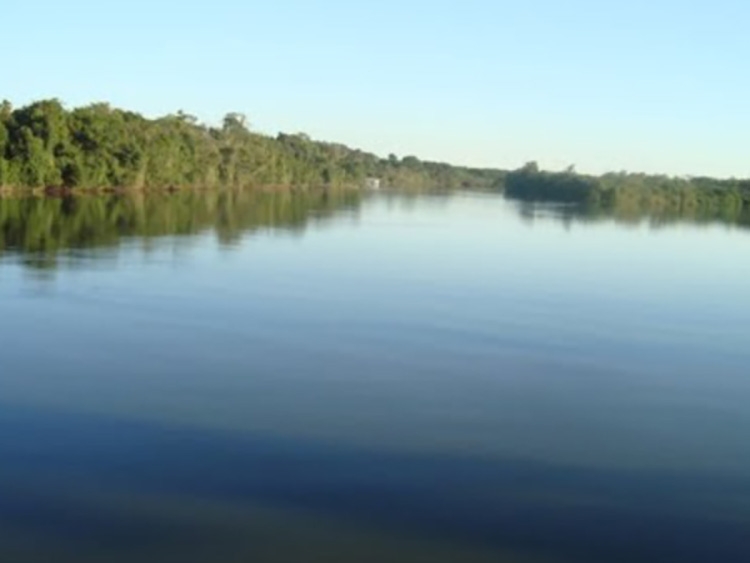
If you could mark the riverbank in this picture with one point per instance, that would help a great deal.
(63, 192)
(99, 147)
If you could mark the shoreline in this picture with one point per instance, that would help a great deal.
(65, 192)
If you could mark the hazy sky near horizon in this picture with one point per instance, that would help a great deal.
(656, 86)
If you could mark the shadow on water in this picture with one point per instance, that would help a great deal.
(634, 212)
(44, 230)
(41, 229)
(62, 473)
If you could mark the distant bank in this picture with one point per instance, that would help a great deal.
(626, 194)
(46, 147)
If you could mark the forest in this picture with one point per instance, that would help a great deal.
(44, 145)
(630, 194)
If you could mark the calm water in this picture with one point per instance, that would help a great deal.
(304, 378)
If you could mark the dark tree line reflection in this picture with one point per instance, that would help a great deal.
(41, 227)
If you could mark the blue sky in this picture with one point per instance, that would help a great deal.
(657, 86)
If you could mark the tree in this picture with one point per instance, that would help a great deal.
(99, 146)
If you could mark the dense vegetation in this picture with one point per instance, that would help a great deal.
(633, 194)
(44, 145)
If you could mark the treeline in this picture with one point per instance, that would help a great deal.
(44, 145)
(631, 194)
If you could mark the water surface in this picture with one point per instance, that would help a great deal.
(323, 377)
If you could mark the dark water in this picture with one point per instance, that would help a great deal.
(205, 377)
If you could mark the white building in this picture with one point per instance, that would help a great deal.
(372, 183)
